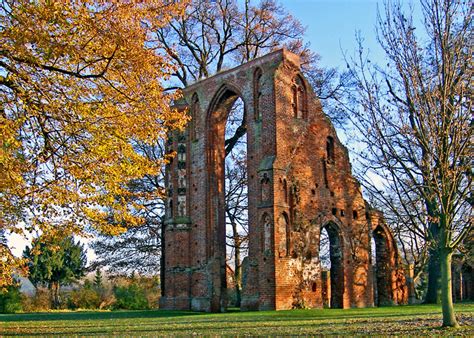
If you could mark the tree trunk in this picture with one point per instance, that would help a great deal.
(238, 266)
(432, 294)
(446, 290)
(54, 290)
(434, 274)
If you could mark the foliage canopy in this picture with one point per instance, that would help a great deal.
(80, 84)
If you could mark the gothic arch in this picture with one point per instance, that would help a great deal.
(222, 101)
(284, 235)
(337, 276)
(257, 93)
(194, 112)
(285, 190)
(300, 98)
(217, 115)
(386, 274)
(266, 241)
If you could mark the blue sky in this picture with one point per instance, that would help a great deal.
(331, 26)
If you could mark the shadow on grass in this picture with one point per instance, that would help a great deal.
(339, 328)
(234, 315)
(95, 315)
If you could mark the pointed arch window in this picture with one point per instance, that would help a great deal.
(265, 188)
(257, 94)
(287, 233)
(330, 149)
(266, 230)
(194, 114)
(299, 98)
(284, 235)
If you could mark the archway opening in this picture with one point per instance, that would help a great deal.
(236, 199)
(373, 265)
(325, 261)
(382, 269)
(332, 266)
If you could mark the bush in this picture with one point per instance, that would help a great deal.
(41, 301)
(11, 300)
(84, 298)
(131, 297)
(151, 285)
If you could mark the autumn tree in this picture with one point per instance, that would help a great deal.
(80, 84)
(9, 264)
(55, 262)
(415, 119)
(139, 248)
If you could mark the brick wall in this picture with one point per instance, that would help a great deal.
(299, 181)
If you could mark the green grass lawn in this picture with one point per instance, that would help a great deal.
(402, 320)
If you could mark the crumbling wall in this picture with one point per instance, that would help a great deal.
(299, 182)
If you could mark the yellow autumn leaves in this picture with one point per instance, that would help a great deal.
(80, 84)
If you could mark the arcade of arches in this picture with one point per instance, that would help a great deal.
(299, 182)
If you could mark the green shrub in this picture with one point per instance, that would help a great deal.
(11, 300)
(131, 297)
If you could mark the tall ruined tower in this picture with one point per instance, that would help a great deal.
(299, 182)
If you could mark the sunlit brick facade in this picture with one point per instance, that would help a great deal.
(299, 182)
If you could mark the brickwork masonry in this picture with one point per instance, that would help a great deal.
(299, 182)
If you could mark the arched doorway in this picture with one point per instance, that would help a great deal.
(382, 267)
(236, 200)
(332, 260)
(227, 196)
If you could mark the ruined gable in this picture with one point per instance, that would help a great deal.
(299, 182)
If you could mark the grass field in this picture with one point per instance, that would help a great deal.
(403, 320)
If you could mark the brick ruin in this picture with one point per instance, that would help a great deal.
(299, 182)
